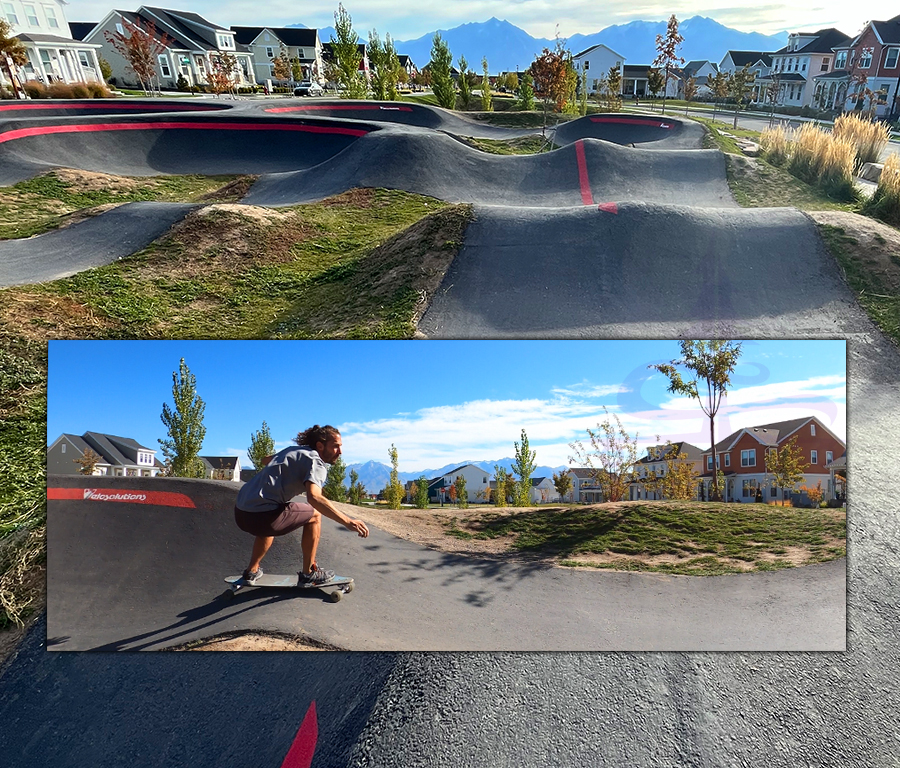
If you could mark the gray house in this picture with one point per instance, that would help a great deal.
(119, 456)
(222, 467)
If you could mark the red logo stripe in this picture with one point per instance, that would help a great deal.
(21, 133)
(110, 106)
(122, 496)
(653, 122)
(586, 197)
(300, 754)
(345, 107)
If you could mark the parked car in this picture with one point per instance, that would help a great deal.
(308, 88)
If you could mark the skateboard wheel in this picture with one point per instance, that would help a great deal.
(335, 597)
(349, 588)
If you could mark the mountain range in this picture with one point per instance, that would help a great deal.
(507, 47)
(375, 476)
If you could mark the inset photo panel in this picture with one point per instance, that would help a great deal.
(447, 495)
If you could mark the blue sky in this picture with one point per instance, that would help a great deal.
(438, 401)
(537, 17)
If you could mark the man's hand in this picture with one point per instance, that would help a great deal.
(359, 526)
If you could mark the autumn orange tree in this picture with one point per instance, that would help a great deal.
(667, 52)
(88, 461)
(12, 52)
(786, 465)
(221, 78)
(549, 74)
(139, 44)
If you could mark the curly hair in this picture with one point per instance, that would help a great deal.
(316, 434)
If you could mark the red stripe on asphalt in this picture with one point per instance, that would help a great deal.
(346, 107)
(121, 496)
(300, 754)
(106, 105)
(608, 207)
(632, 121)
(586, 197)
(21, 133)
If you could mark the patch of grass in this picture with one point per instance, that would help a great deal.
(878, 295)
(39, 204)
(670, 537)
(513, 119)
(524, 145)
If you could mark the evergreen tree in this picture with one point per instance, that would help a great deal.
(185, 426)
(261, 447)
(347, 57)
(334, 487)
(465, 93)
(357, 490)
(439, 68)
(486, 99)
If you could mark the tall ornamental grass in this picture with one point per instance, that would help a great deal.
(869, 138)
(823, 160)
(774, 145)
(885, 201)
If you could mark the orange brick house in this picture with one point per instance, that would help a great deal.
(742, 458)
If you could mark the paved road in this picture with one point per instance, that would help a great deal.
(134, 575)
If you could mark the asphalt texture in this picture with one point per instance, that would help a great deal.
(520, 709)
(90, 243)
(137, 576)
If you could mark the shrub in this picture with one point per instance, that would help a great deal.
(35, 89)
(774, 145)
(182, 83)
(885, 201)
(60, 91)
(5, 94)
(98, 90)
(80, 91)
(868, 138)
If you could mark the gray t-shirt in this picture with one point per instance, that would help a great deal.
(283, 478)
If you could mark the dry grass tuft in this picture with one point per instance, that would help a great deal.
(22, 580)
(774, 144)
(868, 138)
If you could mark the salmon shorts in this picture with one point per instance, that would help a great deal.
(278, 522)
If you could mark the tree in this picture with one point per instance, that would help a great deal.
(613, 90)
(486, 100)
(88, 461)
(739, 83)
(773, 93)
(261, 446)
(461, 494)
(296, 70)
(105, 68)
(583, 96)
(452, 493)
(667, 52)
(690, 92)
(185, 426)
(523, 467)
(611, 458)
(718, 84)
(221, 78)
(548, 74)
(347, 57)
(281, 64)
(500, 491)
(394, 490)
(512, 82)
(678, 479)
(357, 490)
(786, 465)
(421, 495)
(140, 43)
(525, 93)
(439, 67)
(385, 67)
(563, 484)
(465, 94)
(712, 362)
(655, 81)
(12, 53)
(334, 487)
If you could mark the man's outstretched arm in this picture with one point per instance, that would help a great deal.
(324, 507)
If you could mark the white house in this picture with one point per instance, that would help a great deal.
(222, 467)
(477, 482)
(194, 45)
(53, 56)
(701, 71)
(543, 491)
(596, 61)
(119, 456)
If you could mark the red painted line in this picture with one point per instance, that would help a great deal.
(21, 133)
(107, 105)
(300, 754)
(654, 122)
(608, 207)
(586, 197)
(119, 495)
(345, 107)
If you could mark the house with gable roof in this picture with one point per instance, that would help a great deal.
(701, 71)
(758, 62)
(741, 457)
(222, 467)
(301, 45)
(477, 482)
(655, 464)
(595, 62)
(194, 45)
(119, 456)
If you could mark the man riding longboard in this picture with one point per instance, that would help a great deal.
(264, 507)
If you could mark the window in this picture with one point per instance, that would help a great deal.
(841, 61)
(10, 11)
(63, 446)
(84, 58)
(749, 489)
(709, 462)
(748, 458)
(865, 60)
(50, 13)
(803, 69)
(891, 61)
(31, 15)
(727, 459)
(773, 492)
(825, 63)
(812, 430)
(813, 457)
(270, 52)
(120, 29)
(164, 66)
(829, 457)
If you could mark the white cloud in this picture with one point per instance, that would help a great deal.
(826, 387)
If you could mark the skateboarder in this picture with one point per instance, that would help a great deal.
(264, 507)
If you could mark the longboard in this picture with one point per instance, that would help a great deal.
(344, 584)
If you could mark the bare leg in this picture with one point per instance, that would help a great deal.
(261, 545)
(310, 541)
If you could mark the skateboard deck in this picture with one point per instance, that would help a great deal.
(344, 584)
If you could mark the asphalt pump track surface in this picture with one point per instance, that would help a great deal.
(512, 709)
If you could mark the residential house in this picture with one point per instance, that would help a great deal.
(634, 80)
(476, 484)
(53, 55)
(328, 56)
(585, 488)
(758, 62)
(701, 71)
(869, 60)
(119, 456)
(655, 464)
(265, 43)
(741, 457)
(194, 44)
(222, 467)
(543, 491)
(406, 64)
(838, 472)
(596, 63)
(791, 81)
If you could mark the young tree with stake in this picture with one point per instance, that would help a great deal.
(667, 53)
(524, 468)
(611, 458)
(347, 57)
(140, 43)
